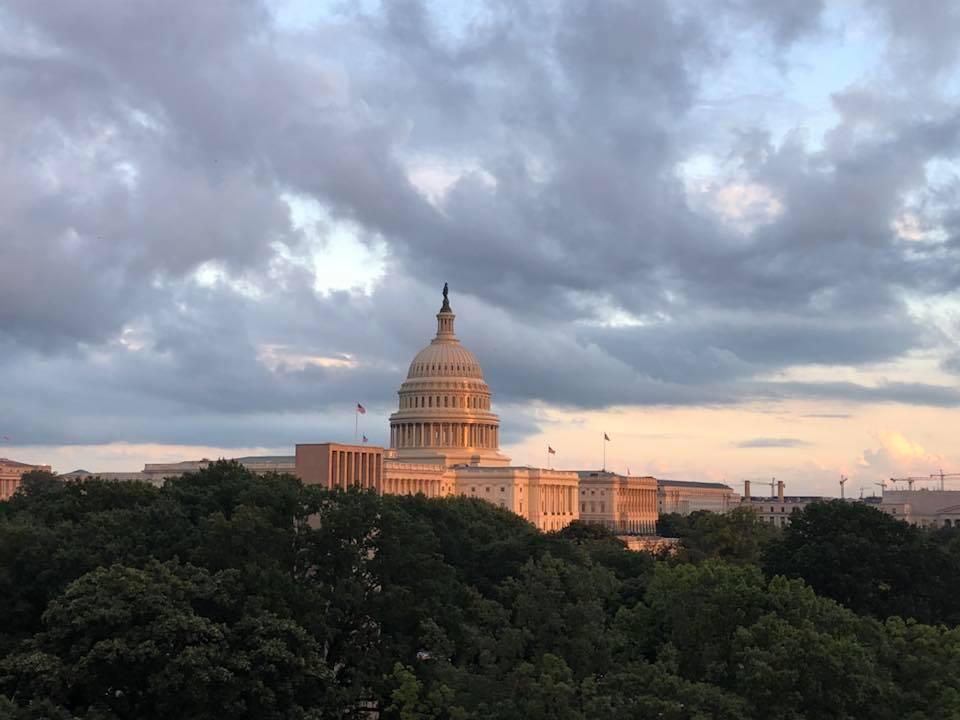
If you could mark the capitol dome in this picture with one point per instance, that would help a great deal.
(445, 358)
(444, 410)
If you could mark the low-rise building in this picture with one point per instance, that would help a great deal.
(684, 497)
(156, 473)
(11, 474)
(777, 510)
(925, 508)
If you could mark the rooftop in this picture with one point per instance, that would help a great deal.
(693, 483)
(14, 463)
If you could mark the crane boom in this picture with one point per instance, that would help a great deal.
(908, 480)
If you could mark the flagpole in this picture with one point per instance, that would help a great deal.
(604, 452)
(356, 423)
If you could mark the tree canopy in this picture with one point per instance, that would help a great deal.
(226, 594)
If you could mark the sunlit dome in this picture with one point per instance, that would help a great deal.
(444, 410)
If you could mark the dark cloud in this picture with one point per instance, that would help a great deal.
(765, 442)
(144, 141)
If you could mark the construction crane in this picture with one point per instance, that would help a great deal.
(943, 476)
(909, 480)
(883, 486)
(843, 481)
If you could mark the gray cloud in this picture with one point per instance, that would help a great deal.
(152, 140)
(764, 442)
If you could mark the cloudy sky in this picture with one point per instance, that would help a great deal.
(727, 233)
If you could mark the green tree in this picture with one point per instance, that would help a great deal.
(738, 536)
(870, 562)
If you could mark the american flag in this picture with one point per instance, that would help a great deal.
(606, 437)
(551, 450)
(361, 409)
(365, 438)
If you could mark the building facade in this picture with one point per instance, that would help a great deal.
(333, 465)
(683, 498)
(925, 508)
(623, 504)
(156, 473)
(11, 474)
(777, 509)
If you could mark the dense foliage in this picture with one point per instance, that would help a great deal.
(871, 562)
(229, 595)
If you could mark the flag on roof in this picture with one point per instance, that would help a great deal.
(361, 409)
(365, 438)
(606, 437)
(551, 450)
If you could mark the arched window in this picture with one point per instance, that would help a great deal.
(446, 401)
(430, 401)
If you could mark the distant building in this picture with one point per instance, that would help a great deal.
(683, 497)
(156, 473)
(777, 510)
(626, 505)
(925, 508)
(11, 473)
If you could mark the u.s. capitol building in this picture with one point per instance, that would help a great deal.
(445, 441)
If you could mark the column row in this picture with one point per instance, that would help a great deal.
(429, 434)
(350, 468)
(557, 499)
(412, 486)
(639, 500)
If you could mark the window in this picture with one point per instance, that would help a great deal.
(583, 507)
(601, 507)
(430, 401)
(502, 488)
(446, 401)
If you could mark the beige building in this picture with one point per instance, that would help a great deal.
(926, 508)
(333, 465)
(683, 498)
(776, 509)
(156, 473)
(626, 505)
(11, 473)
